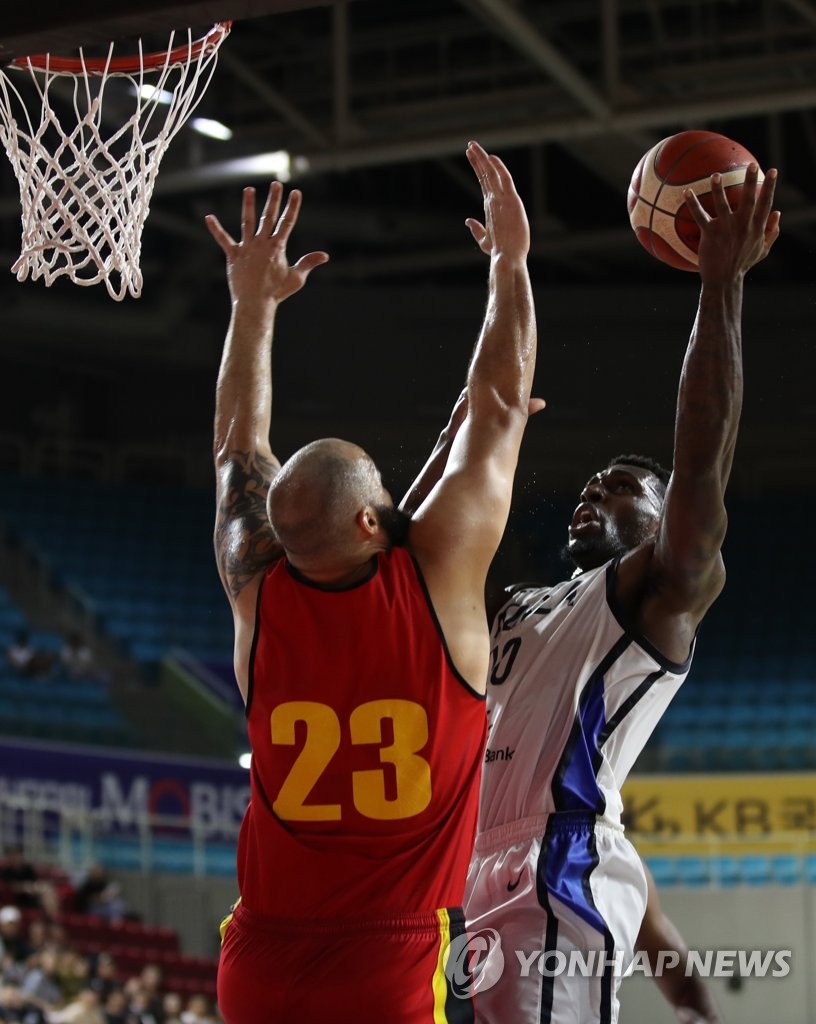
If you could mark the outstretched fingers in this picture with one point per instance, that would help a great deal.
(484, 166)
(306, 264)
(699, 215)
(764, 203)
(719, 200)
(289, 217)
(248, 214)
(269, 214)
(771, 233)
(222, 237)
(478, 231)
(503, 175)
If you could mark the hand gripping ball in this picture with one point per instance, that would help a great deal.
(657, 209)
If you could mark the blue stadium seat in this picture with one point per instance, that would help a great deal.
(116, 543)
(756, 870)
(726, 871)
(664, 870)
(787, 869)
(694, 871)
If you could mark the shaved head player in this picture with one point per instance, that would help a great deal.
(361, 650)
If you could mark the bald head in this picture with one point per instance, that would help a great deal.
(315, 499)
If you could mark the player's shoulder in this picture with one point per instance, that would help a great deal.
(510, 604)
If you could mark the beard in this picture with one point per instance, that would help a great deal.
(590, 552)
(596, 550)
(395, 522)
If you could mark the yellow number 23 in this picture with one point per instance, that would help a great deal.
(323, 736)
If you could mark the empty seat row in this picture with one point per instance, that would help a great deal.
(130, 934)
(730, 871)
(757, 715)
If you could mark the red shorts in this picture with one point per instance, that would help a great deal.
(284, 971)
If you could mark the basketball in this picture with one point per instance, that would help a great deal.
(657, 210)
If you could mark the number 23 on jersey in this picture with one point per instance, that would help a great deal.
(324, 733)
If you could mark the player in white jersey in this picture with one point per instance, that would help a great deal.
(574, 694)
(581, 672)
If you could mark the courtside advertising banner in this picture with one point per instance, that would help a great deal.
(123, 792)
(711, 813)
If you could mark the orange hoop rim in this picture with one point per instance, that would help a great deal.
(126, 65)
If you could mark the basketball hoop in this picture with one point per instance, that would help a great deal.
(85, 188)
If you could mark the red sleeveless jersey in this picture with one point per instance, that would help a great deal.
(366, 751)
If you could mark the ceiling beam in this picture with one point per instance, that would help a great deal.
(603, 243)
(273, 99)
(805, 10)
(402, 150)
(524, 37)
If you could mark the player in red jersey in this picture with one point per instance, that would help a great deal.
(361, 650)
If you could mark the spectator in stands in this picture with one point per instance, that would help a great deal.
(25, 659)
(97, 893)
(38, 937)
(30, 890)
(141, 1003)
(172, 1006)
(83, 1009)
(14, 1006)
(41, 980)
(116, 1010)
(74, 973)
(77, 660)
(151, 984)
(55, 933)
(104, 979)
(198, 1011)
(13, 942)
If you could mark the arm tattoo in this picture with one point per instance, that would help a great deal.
(245, 543)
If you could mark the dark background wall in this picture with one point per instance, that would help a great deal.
(383, 365)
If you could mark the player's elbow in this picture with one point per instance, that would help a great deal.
(228, 438)
(223, 431)
(504, 410)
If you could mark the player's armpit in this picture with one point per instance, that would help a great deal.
(245, 543)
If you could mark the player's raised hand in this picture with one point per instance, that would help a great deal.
(732, 241)
(505, 229)
(257, 266)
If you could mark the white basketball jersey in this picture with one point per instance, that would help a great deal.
(572, 698)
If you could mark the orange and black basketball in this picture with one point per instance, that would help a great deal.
(657, 209)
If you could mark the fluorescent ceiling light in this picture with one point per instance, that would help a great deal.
(277, 164)
(212, 129)
(150, 92)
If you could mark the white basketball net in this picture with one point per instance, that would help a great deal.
(85, 188)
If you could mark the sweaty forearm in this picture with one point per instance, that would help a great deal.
(504, 361)
(710, 397)
(243, 404)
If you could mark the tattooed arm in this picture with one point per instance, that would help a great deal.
(259, 278)
(245, 543)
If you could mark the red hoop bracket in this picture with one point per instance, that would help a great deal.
(126, 65)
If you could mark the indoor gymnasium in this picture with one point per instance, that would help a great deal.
(266, 753)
